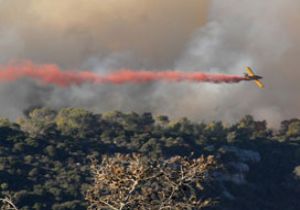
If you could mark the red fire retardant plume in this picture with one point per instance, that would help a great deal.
(52, 75)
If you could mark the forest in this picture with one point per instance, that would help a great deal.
(76, 159)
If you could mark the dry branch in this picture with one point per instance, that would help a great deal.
(130, 182)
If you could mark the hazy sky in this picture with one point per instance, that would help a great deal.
(73, 32)
(213, 36)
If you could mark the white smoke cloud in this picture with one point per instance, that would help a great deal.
(240, 33)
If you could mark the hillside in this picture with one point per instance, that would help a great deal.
(46, 157)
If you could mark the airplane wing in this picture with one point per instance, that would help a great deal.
(259, 84)
(250, 72)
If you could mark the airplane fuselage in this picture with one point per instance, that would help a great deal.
(255, 77)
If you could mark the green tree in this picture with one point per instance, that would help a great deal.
(215, 131)
(39, 122)
(78, 122)
(294, 129)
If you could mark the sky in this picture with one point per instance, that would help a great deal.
(192, 35)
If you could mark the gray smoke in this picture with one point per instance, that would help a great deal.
(98, 35)
(262, 34)
(223, 36)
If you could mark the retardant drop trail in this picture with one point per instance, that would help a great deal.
(51, 74)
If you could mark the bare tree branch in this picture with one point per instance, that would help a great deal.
(129, 182)
(7, 204)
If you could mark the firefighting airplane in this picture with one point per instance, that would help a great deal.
(250, 75)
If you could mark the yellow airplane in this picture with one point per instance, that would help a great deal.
(251, 76)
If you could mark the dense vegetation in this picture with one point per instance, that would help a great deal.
(45, 158)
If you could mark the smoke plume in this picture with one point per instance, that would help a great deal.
(261, 34)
